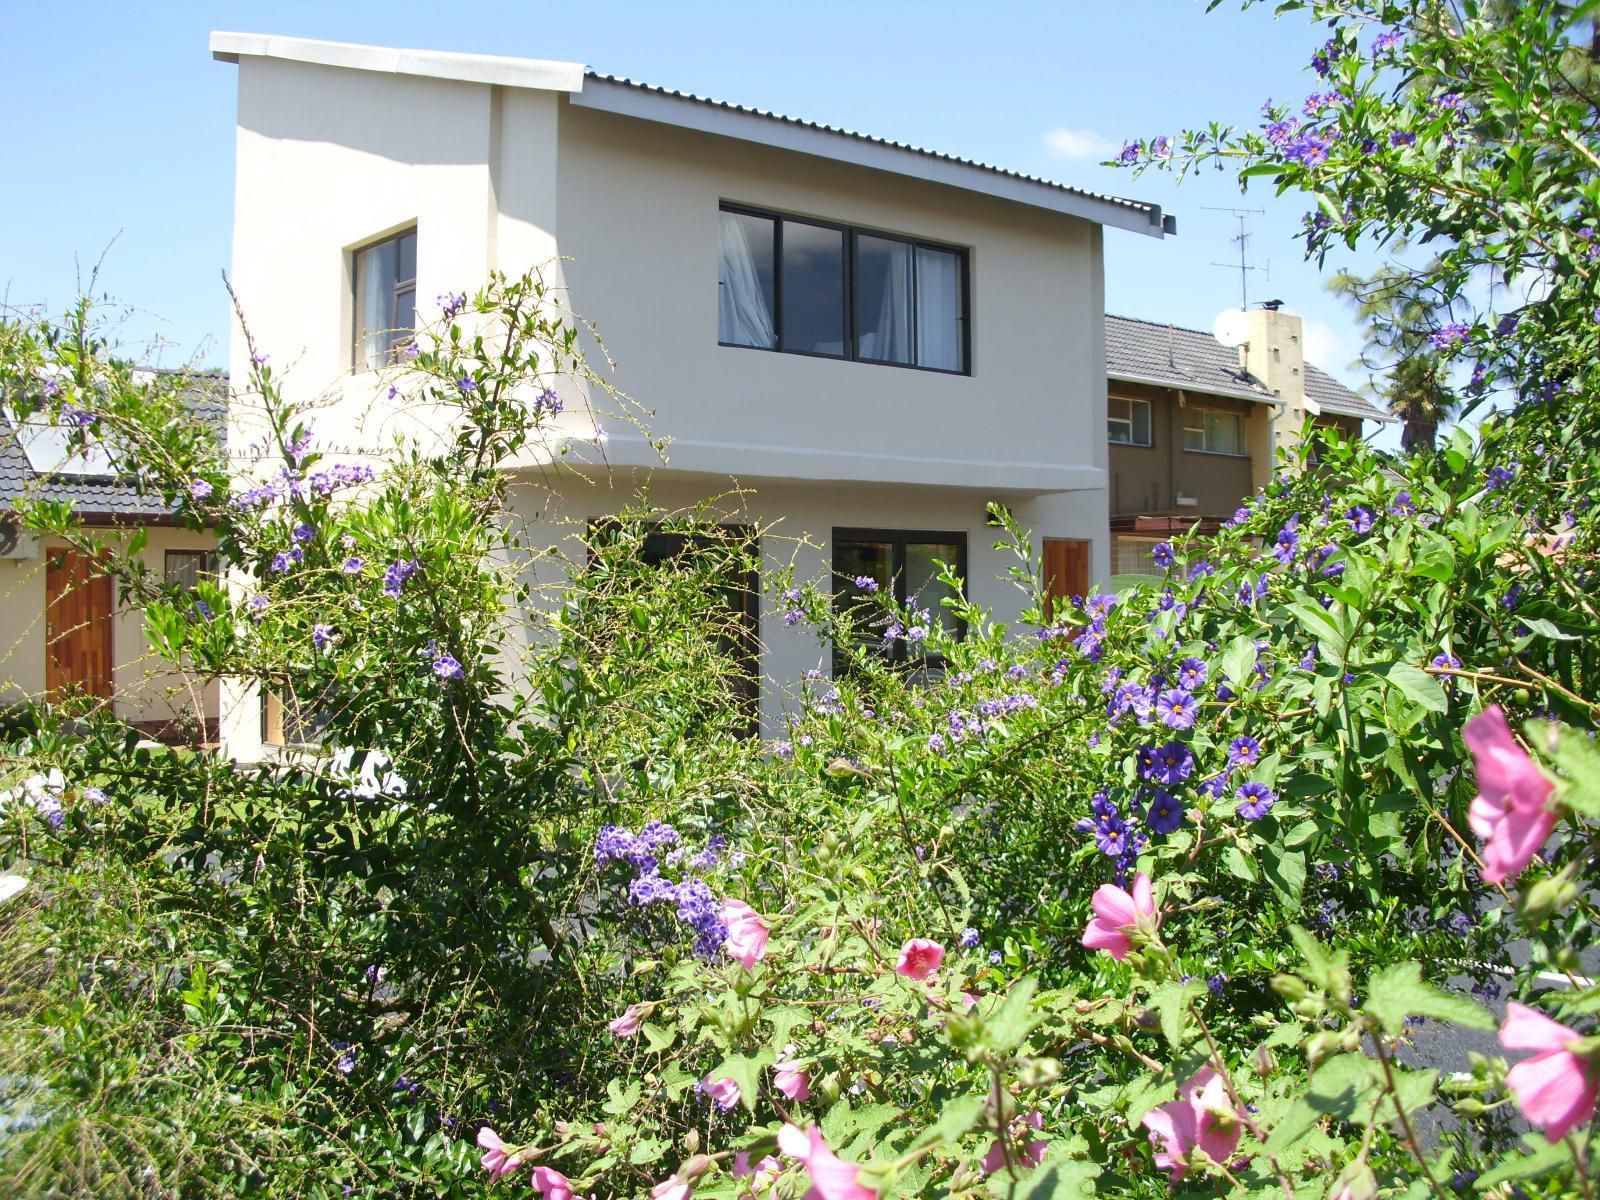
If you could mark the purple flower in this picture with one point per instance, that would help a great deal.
(347, 1057)
(996, 958)
(257, 606)
(968, 939)
(1287, 542)
(1498, 477)
(200, 489)
(446, 667)
(1308, 149)
(866, 583)
(410, 350)
(1173, 764)
(321, 635)
(1112, 838)
(1161, 554)
(1177, 708)
(1161, 147)
(396, 575)
(260, 359)
(1402, 137)
(1130, 152)
(1165, 814)
(1192, 672)
(1386, 41)
(1255, 800)
(1507, 325)
(1449, 102)
(1243, 751)
(304, 532)
(281, 562)
(1402, 505)
(1449, 335)
(1360, 518)
(351, 566)
(452, 303)
(467, 384)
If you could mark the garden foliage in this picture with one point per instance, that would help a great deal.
(1195, 886)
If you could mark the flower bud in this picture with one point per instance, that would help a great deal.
(1040, 1072)
(1324, 1045)
(1468, 1107)
(691, 1141)
(1263, 1062)
(1542, 899)
(695, 1167)
(1290, 987)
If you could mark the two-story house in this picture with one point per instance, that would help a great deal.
(873, 340)
(1193, 424)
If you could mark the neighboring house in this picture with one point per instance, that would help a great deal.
(874, 340)
(62, 630)
(1194, 424)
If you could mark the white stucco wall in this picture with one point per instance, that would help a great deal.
(143, 689)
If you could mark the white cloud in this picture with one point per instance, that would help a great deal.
(1078, 143)
(1325, 348)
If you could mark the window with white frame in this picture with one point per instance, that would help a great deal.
(1128, 421)
(1213, 431)
(1131, 556)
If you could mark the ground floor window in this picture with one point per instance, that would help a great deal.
(185, 568)
(1131, 556)
(902, 563)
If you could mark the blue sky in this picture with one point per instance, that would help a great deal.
(122, 126)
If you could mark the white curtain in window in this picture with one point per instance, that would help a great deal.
(743, 316)
(374, 298)
(891, 336)
(938, 309)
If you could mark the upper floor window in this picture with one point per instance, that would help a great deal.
(1213, 431)
(806, 287)
(386, 298)
(1128, 421)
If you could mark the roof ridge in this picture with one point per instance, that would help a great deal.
(1159, 324)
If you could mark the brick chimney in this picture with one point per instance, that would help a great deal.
(1274, 352)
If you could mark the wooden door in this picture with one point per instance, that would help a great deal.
(1066, 570)
(77, 624)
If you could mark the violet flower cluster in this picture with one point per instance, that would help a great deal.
(657, 845)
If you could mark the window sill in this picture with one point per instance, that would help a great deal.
(1132, 445)
(870, 362)
(1218, 453)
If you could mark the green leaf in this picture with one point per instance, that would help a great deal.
(1544, 1157)
(1014, 1019)
(1300, 1120)
(1416, 684)
(1341, 1084)
(784, 1021)
(1171, 1001)
(1286, 872)
(1068, 1179)
(1240, 863)
(1316, 621)
(1239, 660)
(622, 1099)
(1549, 630)
(955, 1118)
(1400, 992)
(1579, 760)
(657, 1039)
(746, 1072)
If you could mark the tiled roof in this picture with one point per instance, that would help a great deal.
(1171, 356)
(99, 494)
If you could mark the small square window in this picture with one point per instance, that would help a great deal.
(186, 568)
(1128, 421)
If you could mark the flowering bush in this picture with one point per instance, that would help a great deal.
(1206, 885)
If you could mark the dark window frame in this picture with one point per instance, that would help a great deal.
(851, 332)
(898, 540)
(1202, 409)
(397, 338)
(748, 589)
(208, 569)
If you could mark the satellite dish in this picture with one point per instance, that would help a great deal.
(1231, 328)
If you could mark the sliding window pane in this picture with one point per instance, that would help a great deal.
(862, 560)
(813, 289)
(375, 270)
(940, 319)
(883, 300)
(745, 282)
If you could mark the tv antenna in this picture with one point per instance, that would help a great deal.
(1242, 240)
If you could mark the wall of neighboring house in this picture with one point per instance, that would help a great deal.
(144, 691)
(1147, 480)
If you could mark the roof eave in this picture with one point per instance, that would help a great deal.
(1189, 385)
(644, 103)
(544, 74)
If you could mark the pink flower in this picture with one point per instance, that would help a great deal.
(496, 1160)
(671, 1189)
(831, 1177)
(1116, 913)
(741, 1165)
(919, 958)
(1200, 1116)
(628, 1024)
(1509, 811)
(1555, 1088)
(724, 1092)
(1031, 1155)
(747, 932)
(552, 1184)
(791, 1081)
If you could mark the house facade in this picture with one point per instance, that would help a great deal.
(1193, 425)
(871, 341)
(63, 630)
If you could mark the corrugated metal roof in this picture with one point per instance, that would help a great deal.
(95, 494)
(1172, 356)
(1151, 212)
